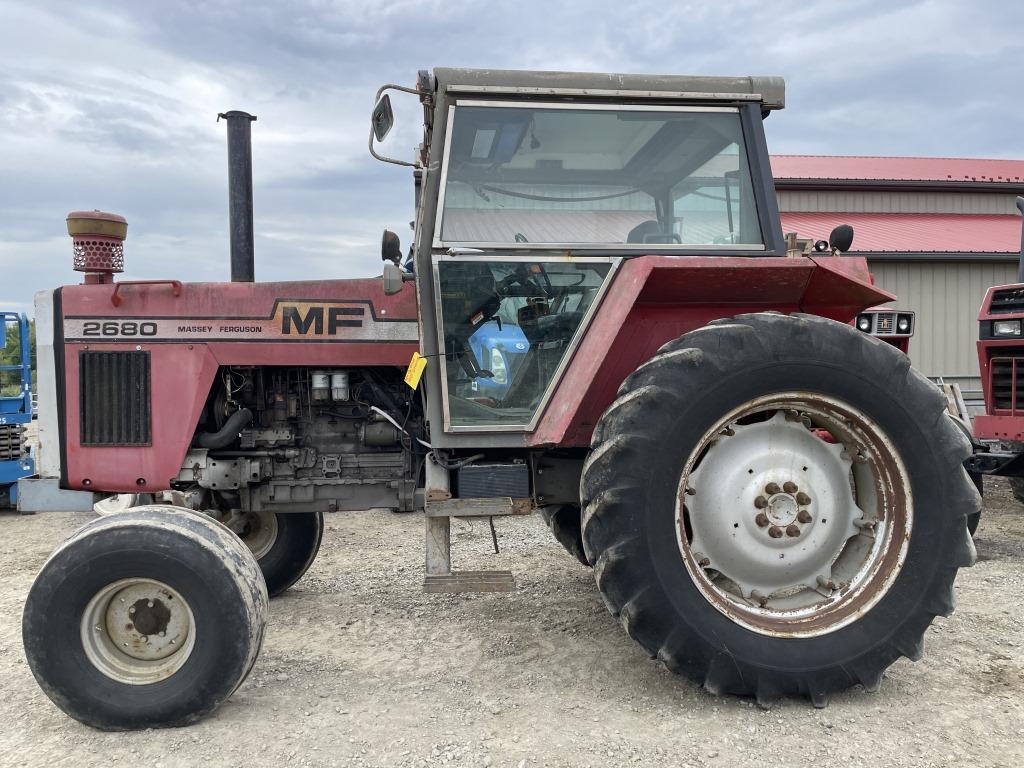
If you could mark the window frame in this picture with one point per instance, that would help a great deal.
(753, 147)
(574, 343)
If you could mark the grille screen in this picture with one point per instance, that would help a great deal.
(1007, 383)
(1010, 300)
(886, 322)
(114, 398)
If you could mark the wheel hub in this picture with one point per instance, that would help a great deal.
(259, 531)
(137, 631)
(794, 514)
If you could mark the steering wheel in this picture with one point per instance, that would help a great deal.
(521, 238)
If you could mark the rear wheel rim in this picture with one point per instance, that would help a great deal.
(794, 514)
(138, 631)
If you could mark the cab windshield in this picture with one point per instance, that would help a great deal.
(554, 174)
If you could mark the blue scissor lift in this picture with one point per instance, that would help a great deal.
(15, 412)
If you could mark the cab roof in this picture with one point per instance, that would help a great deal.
(768, 91)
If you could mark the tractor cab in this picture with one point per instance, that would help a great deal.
(533, 188)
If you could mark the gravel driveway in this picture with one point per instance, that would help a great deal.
(362, 669)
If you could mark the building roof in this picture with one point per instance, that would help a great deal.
(824, 170)
(907, 233)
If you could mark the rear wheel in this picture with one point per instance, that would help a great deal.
(776, 505)
(148, 618)
(285, 544)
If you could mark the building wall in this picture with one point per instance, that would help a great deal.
(895, 201)
(946, 297)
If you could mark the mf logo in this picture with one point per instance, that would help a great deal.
(304, 318)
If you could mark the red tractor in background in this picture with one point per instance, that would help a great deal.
(999, 432)
(773, 503)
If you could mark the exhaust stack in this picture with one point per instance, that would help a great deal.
(243, 264)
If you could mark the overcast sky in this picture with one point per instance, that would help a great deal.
(112, 105)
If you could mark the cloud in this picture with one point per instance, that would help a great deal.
(112, 105)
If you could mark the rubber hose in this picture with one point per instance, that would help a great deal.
(238, 421)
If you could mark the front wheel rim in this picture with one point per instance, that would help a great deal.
(259, 532)
(138, 631)
(801, 476)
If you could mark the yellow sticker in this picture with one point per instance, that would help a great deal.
(415, 370)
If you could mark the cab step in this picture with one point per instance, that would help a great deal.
(470, 581)
(440, 577)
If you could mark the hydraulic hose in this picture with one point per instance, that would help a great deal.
(236, 422)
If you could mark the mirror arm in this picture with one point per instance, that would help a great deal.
(373, 152)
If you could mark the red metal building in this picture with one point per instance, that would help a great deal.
(937, 232)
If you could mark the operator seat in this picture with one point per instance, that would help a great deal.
(650, 231)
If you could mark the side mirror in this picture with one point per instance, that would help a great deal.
(390, 247)
(382, 118)
(841, 238)
(393, 278)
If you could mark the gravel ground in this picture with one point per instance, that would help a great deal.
(361, 669)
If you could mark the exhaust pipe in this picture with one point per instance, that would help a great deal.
(1020, 259)
(243, 260)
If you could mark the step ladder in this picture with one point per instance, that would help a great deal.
(440, 577)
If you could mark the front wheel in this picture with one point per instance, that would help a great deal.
(564, 522)
(145, 619)
(776, 505)
(285, 544)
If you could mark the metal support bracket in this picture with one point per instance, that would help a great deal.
(996, 463)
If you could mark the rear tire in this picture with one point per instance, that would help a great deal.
(148, 618)
(662, 429)
(564, 522)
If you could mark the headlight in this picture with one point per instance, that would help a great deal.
(498, 367)
(1006, 328)
(864, 323)
(904, 323)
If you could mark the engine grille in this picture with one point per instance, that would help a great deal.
(885, 323)
(11, 441)
(114, 398)
(1007, 301)
(1007, 376)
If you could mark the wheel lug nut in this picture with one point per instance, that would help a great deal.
(772, 488)
(803, 499)
(789, 487)
(760, 502)
(803, 516)
(761, 520)
(792, 530)
(775, 532)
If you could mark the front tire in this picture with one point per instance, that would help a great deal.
(564, 522)
(285, 544)
(148, 618)
(671, 470)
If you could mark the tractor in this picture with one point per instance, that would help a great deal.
(998, 433)
(598, 319)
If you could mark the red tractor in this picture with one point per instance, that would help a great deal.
(999, 432)
(598, 319)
